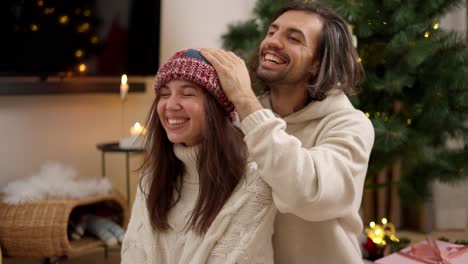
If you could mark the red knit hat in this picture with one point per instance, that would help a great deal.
(190, 65)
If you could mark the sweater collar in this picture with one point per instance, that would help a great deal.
(335, 101)
(189, 157)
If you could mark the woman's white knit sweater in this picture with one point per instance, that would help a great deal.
(241, 232)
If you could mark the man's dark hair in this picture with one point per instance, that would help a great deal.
(339, 62)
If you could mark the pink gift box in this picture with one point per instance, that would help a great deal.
(428, 252)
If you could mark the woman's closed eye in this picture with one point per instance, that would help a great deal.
(189, 91)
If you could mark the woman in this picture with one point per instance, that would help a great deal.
(200, 199)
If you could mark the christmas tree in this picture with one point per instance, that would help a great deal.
(416, 87)
(47, 36)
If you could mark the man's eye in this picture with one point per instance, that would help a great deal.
(164, 95)
(294, 39)
(189, 94)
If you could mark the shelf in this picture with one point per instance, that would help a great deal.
(66, 85)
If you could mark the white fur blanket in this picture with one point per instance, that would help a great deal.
(54, 180)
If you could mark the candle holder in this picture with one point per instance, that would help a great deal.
(135, 140)
(123, 94)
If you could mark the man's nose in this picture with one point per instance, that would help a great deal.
(274, 41)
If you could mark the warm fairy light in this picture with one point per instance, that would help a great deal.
(380, 233)
(377, 114)
(83, 27)
(34, 27)
(40, 3)
(63, 19)
(87, 13)
(82, 67)
(367, 114)
(79, 53)
(94, 39)
(49, 10)
(426, 34)
(408, 121)
(436, 26)
(385, 23)
(359, 60)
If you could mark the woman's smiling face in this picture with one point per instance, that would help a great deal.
(180, 109)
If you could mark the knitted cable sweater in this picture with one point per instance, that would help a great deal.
(240, 233)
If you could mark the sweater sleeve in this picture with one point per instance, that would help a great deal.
(319, 183)
(133, 244)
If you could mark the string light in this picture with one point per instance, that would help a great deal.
(49, 10)
(408, 121)
(79, 53)
(367, 114)
(359, 60)
(385, 22)
(87, 13)
(94, 39)
(83, 27)
(436, 25)
(34, 27)
(426, 34)
(378, 233)
(377, 114)
(63, 19)
(82, 67)
(40, 3)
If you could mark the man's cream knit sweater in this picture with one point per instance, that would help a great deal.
(241, 232)
(315, 160)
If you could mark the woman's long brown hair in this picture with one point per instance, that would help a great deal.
(222, 160)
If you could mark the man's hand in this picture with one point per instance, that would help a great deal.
(235, 80)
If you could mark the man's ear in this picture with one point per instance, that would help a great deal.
(314, 68)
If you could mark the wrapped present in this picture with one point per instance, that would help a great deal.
(429, 252)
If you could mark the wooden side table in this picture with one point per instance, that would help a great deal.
(114, 147)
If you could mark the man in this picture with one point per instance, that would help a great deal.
(312, 147)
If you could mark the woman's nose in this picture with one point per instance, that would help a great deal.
(173, 102)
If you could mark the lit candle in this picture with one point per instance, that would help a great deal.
(123, 87)
(136, 129)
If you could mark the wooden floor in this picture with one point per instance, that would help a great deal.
(98, 257)
(94, 257)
